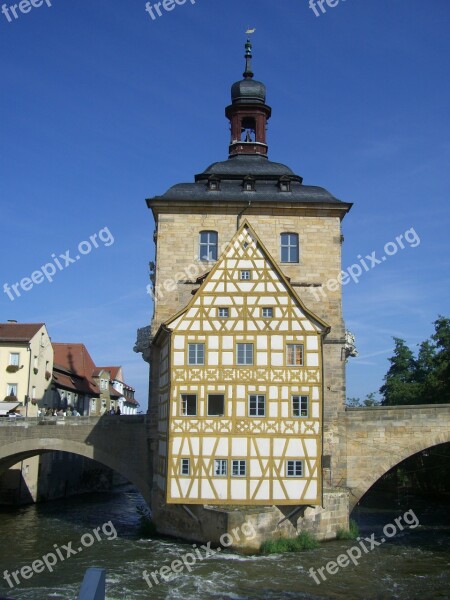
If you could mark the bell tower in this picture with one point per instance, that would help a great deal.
(248, 113)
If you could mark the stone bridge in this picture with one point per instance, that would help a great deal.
(375, 440)
(121, 443)
(380, 437)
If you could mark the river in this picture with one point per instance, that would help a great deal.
(415, 564)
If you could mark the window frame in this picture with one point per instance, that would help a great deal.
(294, 364)
(293, 468)
(238, 462)
(269, 309)
(13, 364)
(222, 414)
(185, 462)
(257, 406)
(196, 344)
(184, 405)
(300, 398)
(226, 311)
(289, 246)
(223, 463)
(241, 275)
(210, 256)
(245, 364)
(10, 392)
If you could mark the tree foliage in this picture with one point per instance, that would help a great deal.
(421, 380)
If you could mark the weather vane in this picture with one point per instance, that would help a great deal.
(251, 30)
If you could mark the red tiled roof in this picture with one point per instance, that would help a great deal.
(67, 380)
(112, 371)
(96, 372)
(75, 358)
(18, 332)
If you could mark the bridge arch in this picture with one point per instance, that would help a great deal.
(118, 443)
(13, 453)
(378, 440)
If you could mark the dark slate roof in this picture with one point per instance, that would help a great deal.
(248, 91)
(231, 174)
(242, 165)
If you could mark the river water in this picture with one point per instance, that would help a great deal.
(415, 564)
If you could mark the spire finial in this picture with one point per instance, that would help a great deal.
(248, 74)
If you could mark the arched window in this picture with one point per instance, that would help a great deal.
(208, 245)
(289, 248)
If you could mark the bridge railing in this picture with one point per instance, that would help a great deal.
(69, 421)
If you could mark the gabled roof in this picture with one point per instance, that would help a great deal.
(76, 383)
(113, 371)
(321, 325)
(19, 332)
(98, 371)
(75, 358)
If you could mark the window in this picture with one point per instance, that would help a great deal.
(267, 313)
(246, 275)
(103, 384)
(249, 182)
(238, 468)
(35, 362)
(289, 247)
(295, 355)
(33, 392)
(220, 467)
(11, 389)
(224, 313)
(300, 406)
(294, 468)
(188, 405)
(257, 405)
(244, 354)
(216, 405)
(196, 354)
(208, 245)
(213, 183)
(185, 466)
(14, 359)
(284, 184)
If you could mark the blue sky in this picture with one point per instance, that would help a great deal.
(101, 107)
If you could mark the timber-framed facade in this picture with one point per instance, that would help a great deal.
(240, 392)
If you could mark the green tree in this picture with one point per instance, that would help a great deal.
(426, 373)
(370, 400)
(400, 385)
(441, 337)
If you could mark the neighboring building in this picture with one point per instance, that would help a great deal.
(247, 343)
(76, 363)
(121, 392)
(72, 389)
(95, 390)
(26, 364)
